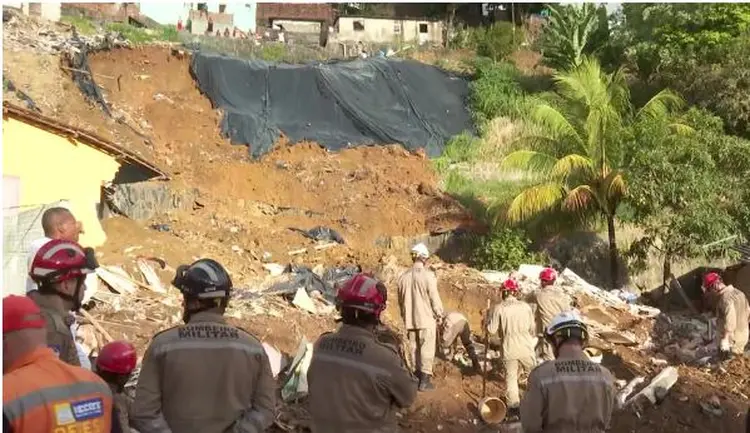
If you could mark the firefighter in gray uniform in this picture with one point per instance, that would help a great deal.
(204, 376)
(357, 378)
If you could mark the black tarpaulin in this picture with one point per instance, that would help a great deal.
(338, 105)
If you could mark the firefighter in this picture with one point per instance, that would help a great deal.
(205, 375)
(456, 326)
(59, 269)
(357, 380)
(512, 321)
(733, 312)
(115, 365)
(421, 311)
(41, 393)
(570, 393)
(550, 301)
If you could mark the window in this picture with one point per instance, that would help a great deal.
(222, 8)
(422, 27)
(359, 25)
(396, 28)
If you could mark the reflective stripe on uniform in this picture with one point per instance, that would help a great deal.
(567, 379)
(207, 344)
(358, 364)
(18, 407)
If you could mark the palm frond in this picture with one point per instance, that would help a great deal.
(612, 189)
(680, 129)
(581, 198)
(570, 165)
(555, 123)
(535, 200)
(530, 161)
(661, 105)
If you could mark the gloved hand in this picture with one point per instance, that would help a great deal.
(724, 345)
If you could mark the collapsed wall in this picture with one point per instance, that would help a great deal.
(339, 105)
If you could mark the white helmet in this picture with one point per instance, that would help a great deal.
(421, 251)
(567, 320)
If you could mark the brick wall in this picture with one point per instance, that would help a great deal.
(106, 11)
(294, 11)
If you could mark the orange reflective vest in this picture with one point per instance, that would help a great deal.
(42, 394)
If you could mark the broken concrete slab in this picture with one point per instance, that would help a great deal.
(659, 386)
(617, 337)
(599, 314)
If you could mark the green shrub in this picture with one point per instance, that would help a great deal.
(83, 25)
(496, 91)
(137, 35)
(460, 148)
(503, 249)
(498, 41)
(273, 52)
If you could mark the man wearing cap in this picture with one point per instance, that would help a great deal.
(422, 311)
(550, 301)
(41, 392)
(513, 321)
(733, 313)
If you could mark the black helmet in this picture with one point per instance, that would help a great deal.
(204, 279)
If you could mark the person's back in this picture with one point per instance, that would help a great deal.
(563, 387)
(41, 393)
(207, 372)
(734, 316)
(418, 297)
(86, 399)
(550, 302)
(570, 394)
(515, 321)
(356, 383)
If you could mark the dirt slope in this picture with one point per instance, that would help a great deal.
(247, 207)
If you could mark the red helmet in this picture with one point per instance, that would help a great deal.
(509, 285)
(117, 357)
(363, 292)
(710, 280)
(548, 275)
(59, 260)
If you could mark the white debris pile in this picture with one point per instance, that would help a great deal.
(22, 32)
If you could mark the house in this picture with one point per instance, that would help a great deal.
(47, 163)
(389, 30)
(211, 23)
(306, 23)
(170, 13)
(49, 10)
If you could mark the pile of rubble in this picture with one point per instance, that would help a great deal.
(21, 32)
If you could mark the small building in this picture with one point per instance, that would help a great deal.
(389, 30)
(204, 22)
(302, 23)
(48, 10)
(47, 163)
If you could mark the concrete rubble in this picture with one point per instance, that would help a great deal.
(21, 33)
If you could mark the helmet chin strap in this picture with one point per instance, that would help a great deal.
(75, 298)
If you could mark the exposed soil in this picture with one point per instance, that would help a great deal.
(364, 193)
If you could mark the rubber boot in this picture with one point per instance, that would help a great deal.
(424, 383)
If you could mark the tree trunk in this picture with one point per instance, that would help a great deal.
(613, 268)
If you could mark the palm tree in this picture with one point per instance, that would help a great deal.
(576, 156)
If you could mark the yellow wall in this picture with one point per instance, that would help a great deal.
(52, 167)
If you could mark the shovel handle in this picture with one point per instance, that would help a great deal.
(486, 348)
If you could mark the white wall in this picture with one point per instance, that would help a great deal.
(49, 10)
(389, 30)
(169, 13)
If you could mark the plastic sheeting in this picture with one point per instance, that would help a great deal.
(338, 105)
